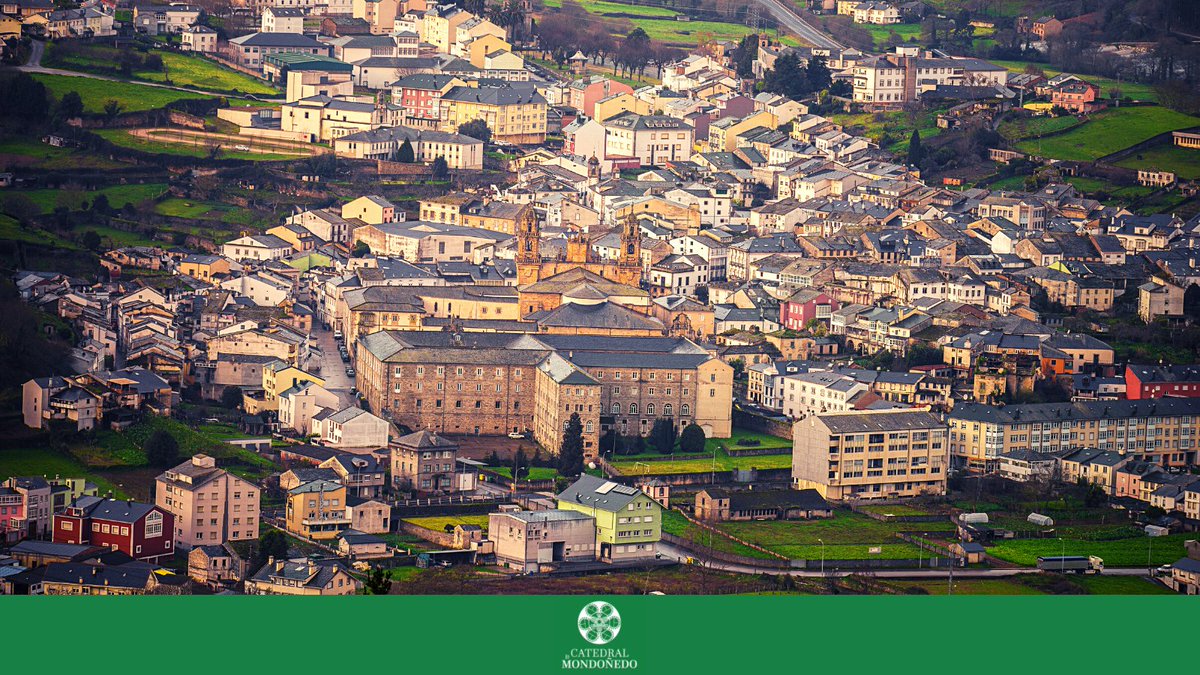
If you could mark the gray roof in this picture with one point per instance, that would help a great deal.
(600, 494)
(119, 510)
(278, 40)
(1077, 410)
(889, 421)
(547, 516)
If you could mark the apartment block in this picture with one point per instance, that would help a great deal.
(870, 455)
(210, 505)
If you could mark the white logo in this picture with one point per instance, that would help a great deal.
(599, 622)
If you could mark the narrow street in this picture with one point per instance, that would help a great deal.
(333, 369)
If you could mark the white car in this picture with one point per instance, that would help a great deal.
(516, 435)
(243, 148)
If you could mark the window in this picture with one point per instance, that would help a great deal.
(633, 409)
(616, 408)
(668, 409)
(685, 409)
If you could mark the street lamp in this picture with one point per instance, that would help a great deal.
(822, 556)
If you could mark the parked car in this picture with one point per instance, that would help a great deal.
(516, 435)
(350, 372)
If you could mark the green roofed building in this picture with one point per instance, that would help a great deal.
(628, 521)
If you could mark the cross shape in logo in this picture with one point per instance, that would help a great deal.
(599, 622)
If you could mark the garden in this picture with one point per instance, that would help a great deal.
(1109, 131)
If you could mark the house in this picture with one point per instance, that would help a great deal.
(356, 545)
(533, 541)
(48, 400)
(1144, 381)
(516, 115)
(1077, 97)
(198, 39)
(317, 510)
(424, 462)
(28, 507)
(216, 565)
(299, 404)
(204, 267)
(303, 577)
(282, 20)
(717, 504)
(71, 578)
(628, 521)
(1159, 298)
(363, 475)
(256, 247)
(159, 19)
(1185, 576)
(208, 505)
(249, 51)
(141, 531)
(350, 427)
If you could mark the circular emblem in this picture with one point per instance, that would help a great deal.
(599, 622)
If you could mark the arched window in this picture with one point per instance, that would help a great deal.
(616, 408)
(685, 410)
(633, 409)
(668, 409)
(649, 408)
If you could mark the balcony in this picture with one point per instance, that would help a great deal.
(325, 520)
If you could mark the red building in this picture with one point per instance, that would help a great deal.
(1078, 97)
(421, 95)
(141, 531)
(1151, 381)
(805, 305)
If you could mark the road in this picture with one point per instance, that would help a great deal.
(34, 65)
(669, 551)
(803, 29)
(333, 369)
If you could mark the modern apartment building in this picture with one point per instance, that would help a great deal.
(210, 505)
(870, 455)
(1164, 431)
(628, 521)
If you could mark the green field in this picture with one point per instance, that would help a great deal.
(96, 93)
(1184, 162)
(731, 443)
(895, 510)
(659, 23)
(535, 472)
(439, 523)
(1021, 128)
(123, 138)
(182, 70)
(896, 125)
(1109, 585)
(1108, 132)
(11, 230)
(118, 195)
(723, 463)
(906, 32)
(124, 449)
(1116, 193)
(1130, 552)
(44, 462)
(675, 524)
(969, 587)
(28, 152)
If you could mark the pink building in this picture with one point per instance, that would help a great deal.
(805, 305)
(583, 93)
(210, 505)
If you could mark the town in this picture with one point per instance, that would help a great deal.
(586, 297)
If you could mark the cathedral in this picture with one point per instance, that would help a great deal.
(531, 268)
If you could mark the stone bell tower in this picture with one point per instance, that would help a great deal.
(529, 247)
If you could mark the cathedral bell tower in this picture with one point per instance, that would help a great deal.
(629, 262)
(529, 247)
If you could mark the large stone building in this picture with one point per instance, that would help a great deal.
(500, 383)
(870, 455)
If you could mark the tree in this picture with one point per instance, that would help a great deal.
(914, 149)
(23, 98)
(493, 459)
(360, 250)
(439, 170)
(744, 54)
(378, 582)
(610, 442)
(112, 109)
(405, 154)
(635, 51)
(272, 544)
(570, 455)
(21, 208)
(162, 450)
(739, 367)
(70, 106)
(231, 397)
(477, 129)
(701, 293)
(788, 77)
(520, 465)
(818, 74)
(692, 439)
(662, 435)
(91, 241)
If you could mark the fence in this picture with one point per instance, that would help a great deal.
(447, 508)
(693, 547)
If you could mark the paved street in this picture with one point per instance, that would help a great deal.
(804, 30)
(333, 369)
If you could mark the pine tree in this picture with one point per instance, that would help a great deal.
(914, 149)
(405, 154)
(570, 455)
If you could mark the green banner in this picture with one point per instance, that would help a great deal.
(554, 634)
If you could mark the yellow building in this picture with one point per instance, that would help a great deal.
(514, 115)
(278, 377)
(723, 134)
(204, 267)
(9, 27)
(317, 510)
(616, 104)
(478, 49)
